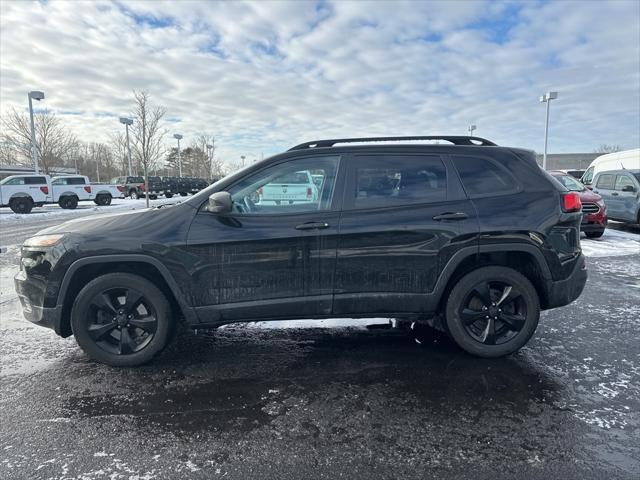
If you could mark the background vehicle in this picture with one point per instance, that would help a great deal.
(620, 190)
(575, 173)
(471, 238)
(170, 186)
(295, 187)
(625, 160)
(68, 190)
(134, 186)
(594, 210)
(156, 187)
(22, 192)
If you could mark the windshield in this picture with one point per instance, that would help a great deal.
(571, 183)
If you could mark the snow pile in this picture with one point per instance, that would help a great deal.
(612, 243)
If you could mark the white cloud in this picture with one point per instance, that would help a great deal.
(267, 75)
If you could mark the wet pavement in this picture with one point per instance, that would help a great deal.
(246, 402)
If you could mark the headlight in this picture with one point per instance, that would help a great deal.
(43, 240)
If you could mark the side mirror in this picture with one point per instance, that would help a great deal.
(220, 202)
(628, 188)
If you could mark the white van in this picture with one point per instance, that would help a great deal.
(625, 160)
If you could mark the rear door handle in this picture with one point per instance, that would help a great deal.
(451, 216)
(312, 226)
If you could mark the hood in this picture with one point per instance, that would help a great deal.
(589, 196)
(146, 223)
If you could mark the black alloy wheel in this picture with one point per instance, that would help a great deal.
(492, 311)
(121, 319)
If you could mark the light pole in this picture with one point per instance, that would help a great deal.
(35, 95)
(127, 121)
(471, 129)
(210, 155)
(178, 137)
(242, 157)
(546, 98)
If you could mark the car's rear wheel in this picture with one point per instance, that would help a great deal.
(133, 194)
(168, 195)
(21, 205)
(492, 311)
(121, 319)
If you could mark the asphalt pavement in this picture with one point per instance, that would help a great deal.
(246, 402)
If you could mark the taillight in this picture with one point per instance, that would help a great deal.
(87, 188)
(45, 190)
(141, 186)
(309, 192)
(120, 188)
(571, 202)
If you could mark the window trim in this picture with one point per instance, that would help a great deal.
(517, 186)
(336, 199)
(348, 203)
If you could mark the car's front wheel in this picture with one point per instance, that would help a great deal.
(121, 319)
(492, 311)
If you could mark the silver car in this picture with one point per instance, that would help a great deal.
(620, 190)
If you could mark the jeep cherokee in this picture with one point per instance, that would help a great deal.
(469, 237)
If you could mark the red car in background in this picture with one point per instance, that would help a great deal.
(594, 218)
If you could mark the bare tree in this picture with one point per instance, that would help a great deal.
(147, 134)
(604, 148)
(53, 139)
(118, 146)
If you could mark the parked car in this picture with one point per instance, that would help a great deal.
(294, 187)
(22, 192)
(575, 173)
(184, 186)
(134, 186)
(594, 210)
(625, 160)
(170, 186)
(156, 187)
(620, 190)
(470, 237)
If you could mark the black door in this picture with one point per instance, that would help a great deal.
(404, 216)
(269, 259)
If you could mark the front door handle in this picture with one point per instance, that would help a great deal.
(451, 216)
(312, 226)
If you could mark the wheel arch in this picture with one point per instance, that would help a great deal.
(21, 195)
(86, 269)
(525, 259)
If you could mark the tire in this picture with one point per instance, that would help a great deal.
(134, 195)
(594, 234)
(21, 205)
(153, 197)
(68, 203)
(140, 330)
(103, 199)
(183, 194)
(486, 325)
(168, 195)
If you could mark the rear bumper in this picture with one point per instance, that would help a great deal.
(563, 292)
(594, 222)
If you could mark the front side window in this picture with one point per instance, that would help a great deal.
(588, 176)
(481, 176)
(605, 181)
(288, 187)
(391, 180)
(15, 181)
(623, 181)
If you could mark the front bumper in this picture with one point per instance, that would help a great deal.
(32, 308)
(563, 292)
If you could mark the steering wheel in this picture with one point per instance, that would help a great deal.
(249, 204)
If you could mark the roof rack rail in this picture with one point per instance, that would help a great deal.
(456, 140)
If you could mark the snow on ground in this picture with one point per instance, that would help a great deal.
(612, 243)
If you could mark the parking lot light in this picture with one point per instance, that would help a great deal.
(127, 121)
(546, 98)
(34, 95)
(178, 137)
(471, 129)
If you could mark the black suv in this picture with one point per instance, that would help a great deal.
(471, 238)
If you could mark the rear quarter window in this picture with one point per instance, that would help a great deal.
(35, 180)
(481, 176)
(75, 181)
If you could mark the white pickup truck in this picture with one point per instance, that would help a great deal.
(22, 192)
(294, 187)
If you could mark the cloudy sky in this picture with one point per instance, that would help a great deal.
(263, 76)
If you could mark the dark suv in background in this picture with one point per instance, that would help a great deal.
(469, 237)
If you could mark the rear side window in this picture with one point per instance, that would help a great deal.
(390, 180)
(606, 181)
(481, 176)
(624, 181)
(75, 181)
(35, 180)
